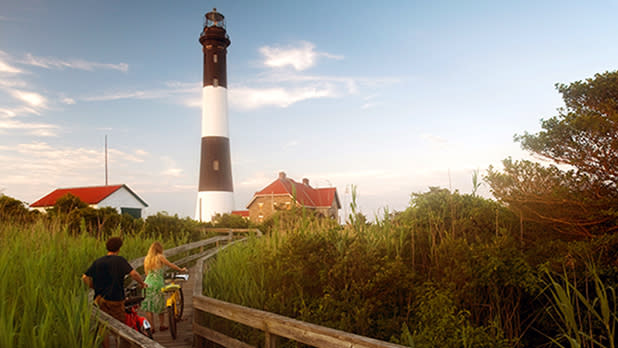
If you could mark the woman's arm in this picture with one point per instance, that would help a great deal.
(138, 278)
(171, 265)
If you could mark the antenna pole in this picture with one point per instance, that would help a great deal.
(105, 159)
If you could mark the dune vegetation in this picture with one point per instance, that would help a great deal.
(537, 267)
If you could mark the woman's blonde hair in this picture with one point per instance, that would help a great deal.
(153, 258)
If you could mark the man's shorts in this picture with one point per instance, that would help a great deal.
(113, 308)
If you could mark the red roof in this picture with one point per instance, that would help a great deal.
(89, 195)
(304, 193)
(243, 213)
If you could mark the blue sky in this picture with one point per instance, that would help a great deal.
(392, 97)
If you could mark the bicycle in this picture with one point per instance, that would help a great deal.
(133, 319)
(175, 301)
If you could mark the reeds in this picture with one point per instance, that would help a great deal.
(584, 320)
(43, 302)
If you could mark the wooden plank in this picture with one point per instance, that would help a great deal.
(219, 338)
(235, 230)
(205, 254)
(311, 334)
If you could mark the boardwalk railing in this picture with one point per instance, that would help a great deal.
(134, 338)
(273, 325)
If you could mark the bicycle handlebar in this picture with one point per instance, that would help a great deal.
(175, 275)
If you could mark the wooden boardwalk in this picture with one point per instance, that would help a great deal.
(273, 326)
(185, 326)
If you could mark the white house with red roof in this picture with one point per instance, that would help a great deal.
(119, 197)
(284, 193)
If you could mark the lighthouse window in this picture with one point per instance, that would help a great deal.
(214, 58)
(215, 165)
(215, 82)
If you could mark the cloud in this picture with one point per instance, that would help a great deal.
(37, 129)
(68, 101)
(258, 180)
(121, 156)
(183, 91)
(290, 145)
(8, 112)
(141, 152)
(253, 98)
(272, 88)
(171, 168)
(6, 68)
(434, 139)
(31, 98)
(29, 170)
(79, 64)
(370, 102)
(301, 57)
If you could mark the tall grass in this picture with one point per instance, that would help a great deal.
(584, 320)
(235, 276)
(368, 277)
(43, 302)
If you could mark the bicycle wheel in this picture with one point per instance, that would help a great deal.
(180, 304)
(172, 319)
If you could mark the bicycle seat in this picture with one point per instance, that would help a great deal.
(132, 301)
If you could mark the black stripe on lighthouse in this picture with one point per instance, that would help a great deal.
(215, 66)
(215, 165)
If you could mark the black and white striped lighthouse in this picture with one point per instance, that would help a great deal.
(216, 191)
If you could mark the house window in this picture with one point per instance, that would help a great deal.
(260, 218)
(215, 165)
(134, 212)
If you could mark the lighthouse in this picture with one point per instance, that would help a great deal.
(216, 191)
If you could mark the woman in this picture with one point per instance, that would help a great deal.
(154, 265)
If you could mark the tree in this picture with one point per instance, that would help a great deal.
(68, 203)
(12, 210)
(230, 221)
(578, 193)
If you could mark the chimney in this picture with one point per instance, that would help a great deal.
(305, 181)
(281, 175)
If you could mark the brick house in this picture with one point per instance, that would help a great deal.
(284, 193)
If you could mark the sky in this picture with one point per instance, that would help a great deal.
(389, 97)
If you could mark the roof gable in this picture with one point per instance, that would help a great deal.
(89, 195)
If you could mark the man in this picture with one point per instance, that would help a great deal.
(106, 277)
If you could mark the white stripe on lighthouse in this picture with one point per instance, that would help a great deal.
(213, 202)
(214, 112)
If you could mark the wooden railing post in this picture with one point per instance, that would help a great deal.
(270, 340)
(198, 319)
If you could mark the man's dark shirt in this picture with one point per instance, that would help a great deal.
(107, 275)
